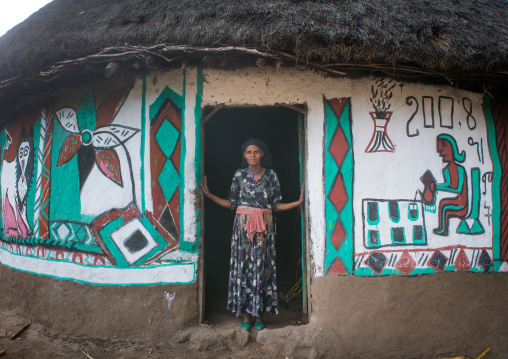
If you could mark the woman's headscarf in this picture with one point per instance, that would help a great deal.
(266, 161)
(457, 155)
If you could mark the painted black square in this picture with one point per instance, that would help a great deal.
(372, 211)
(377, 262)
(485, 261)
(418, 232)
(135, 242)
(398, 234)
(374, 237)
(438, 260)
(393, 208)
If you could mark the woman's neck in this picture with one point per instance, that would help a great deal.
(254, 169)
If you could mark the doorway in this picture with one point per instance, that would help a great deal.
(224, 133)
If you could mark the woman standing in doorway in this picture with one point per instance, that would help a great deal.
(255, 194)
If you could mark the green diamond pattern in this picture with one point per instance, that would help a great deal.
(166, 138)
(169, 180)
(81, 235)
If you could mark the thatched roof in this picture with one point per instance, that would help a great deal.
(444, 38)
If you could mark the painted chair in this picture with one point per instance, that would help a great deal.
(474, 207)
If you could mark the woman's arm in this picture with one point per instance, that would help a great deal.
(220, 201)
(285, 206)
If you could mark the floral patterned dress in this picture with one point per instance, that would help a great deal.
(252, 280)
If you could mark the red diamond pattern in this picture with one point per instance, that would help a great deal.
(338, 235)
(405, 264)
(338, 148)
(462, 262)
(337, 267)
(338, 195)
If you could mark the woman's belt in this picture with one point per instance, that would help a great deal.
(256, 218)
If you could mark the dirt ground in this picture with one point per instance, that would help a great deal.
(198, 343)
(202, 342)
(427, 317)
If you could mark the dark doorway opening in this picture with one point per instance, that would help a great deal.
(224, 133)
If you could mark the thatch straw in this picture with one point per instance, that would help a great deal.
(446, 36)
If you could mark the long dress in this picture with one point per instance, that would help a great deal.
(455, 182)
(252, 279)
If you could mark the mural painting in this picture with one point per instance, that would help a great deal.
(426, 208)
(338, 186)
(70, 184)
(423, 196)
(16, 179)
(382, 92)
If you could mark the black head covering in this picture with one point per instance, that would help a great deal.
(266, 161)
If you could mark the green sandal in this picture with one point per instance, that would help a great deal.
(245, 326)
(260, 325)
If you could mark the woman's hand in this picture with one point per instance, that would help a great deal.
(286, 206)
(302, 196)
(204, 186)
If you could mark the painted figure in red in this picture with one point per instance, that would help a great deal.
(455, 182)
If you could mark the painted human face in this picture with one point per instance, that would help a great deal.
(445, 150)
(253, 154)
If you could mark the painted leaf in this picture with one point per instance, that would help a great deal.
(109, 164)
(86, 113)
(69, 149)
(111, 136)
(109, 108)
(68, 118)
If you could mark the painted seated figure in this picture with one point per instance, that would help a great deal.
(455, 182)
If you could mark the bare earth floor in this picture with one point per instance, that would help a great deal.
(36, 342)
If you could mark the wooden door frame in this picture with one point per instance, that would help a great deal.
(306, 257)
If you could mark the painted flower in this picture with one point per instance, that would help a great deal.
(92, 136)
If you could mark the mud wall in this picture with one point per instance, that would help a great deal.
(411, 172)
(102, 188)
(151, 315)
(93, 186)
(438, 315)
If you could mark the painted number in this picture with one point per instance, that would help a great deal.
(468, 106)
(409, 102)
(445, 111)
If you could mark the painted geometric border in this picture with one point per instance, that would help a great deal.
(497, 136)
(338, 174)
(155, 108)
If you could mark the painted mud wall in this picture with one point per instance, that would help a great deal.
(410, 181)
(425, 194)
(93, 186)
(100, 187)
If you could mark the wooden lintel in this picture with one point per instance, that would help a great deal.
(294, 108)
(210, 115)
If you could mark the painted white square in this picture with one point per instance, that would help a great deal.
(62, 231)
(121, 234)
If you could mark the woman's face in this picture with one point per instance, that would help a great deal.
(253, 155)
(445, 150)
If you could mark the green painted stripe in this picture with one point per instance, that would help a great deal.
(167, 93)
(300, 125)
(198, 150)
(496, 184)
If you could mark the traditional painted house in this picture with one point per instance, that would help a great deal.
(392, 114)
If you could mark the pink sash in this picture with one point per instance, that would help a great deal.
(256, 218)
